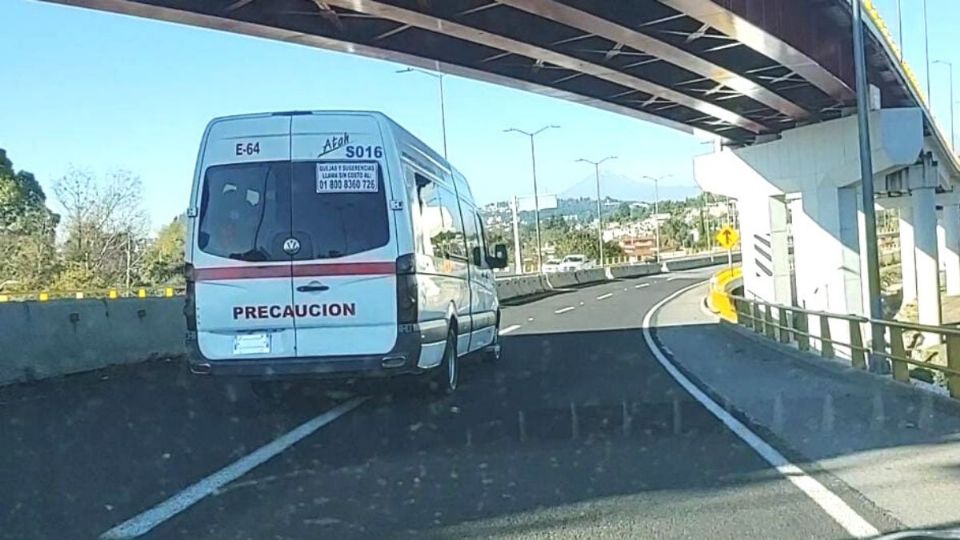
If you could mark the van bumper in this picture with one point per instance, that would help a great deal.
(402, 359)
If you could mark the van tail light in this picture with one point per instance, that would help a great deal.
(190, 307)
(407, 291)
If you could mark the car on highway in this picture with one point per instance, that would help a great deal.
(572, 263)
(334, 243)
(551, 265)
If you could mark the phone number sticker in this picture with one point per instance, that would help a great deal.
(342, 177)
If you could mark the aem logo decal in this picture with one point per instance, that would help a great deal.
(302, 310)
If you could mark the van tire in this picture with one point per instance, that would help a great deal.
(446, 377)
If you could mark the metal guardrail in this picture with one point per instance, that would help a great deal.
(791, 325)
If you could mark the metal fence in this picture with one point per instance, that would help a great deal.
(792, 325)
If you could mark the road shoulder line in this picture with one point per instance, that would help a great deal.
(831, 503)
(509, 329)
(147, 520)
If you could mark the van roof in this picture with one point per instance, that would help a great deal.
(397, 128)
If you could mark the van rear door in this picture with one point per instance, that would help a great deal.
(242, 273)
(344, 278)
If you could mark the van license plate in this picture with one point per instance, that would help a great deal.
(251, 344)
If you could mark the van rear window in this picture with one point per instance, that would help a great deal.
(248, 211)
(245, 211)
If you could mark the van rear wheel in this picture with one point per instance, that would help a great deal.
(446, 377)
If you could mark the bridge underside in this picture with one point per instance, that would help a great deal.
(738, 69)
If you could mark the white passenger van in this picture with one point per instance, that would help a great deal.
(334, 243)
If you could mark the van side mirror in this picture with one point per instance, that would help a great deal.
(499, 259)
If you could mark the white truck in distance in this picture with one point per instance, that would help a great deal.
(572, 263)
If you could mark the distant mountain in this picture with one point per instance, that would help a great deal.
(624, 188)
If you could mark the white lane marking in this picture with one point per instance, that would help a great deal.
(144, 522)
(834, 506)
(529, 319)
(671, 278)
(642, 285)
(564, 310)
(605, 296)
(509, 329)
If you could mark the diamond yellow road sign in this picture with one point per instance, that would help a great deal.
(728, 237)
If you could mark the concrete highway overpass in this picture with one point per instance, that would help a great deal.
(743, 70)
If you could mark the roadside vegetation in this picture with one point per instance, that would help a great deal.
(100, 239)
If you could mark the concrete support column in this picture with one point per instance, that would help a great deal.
(925, 252)
(950, 224)
(763, 241)
(908, 265)
(827, 250)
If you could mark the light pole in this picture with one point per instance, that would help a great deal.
(950, 66)
(656, 206)
(875, 308)
(536, 194)
(926, 48)
(900, 26)
(596, 168)
(443, 112)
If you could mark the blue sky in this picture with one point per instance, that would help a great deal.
(101, 92)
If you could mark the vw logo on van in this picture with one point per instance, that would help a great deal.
(291, 246)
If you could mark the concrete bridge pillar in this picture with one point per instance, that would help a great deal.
(827, 250)
(763, 241)
(908, 265)
(949, 224)
(819, 164)
(925, 253)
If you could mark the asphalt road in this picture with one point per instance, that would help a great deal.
(577, 432)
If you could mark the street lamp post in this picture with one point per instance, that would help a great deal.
(656, 206)
(926, 48)
(900, 26)
(536, 194)
(443, 112)
(596, 168)
(950, 66)
(875, 308)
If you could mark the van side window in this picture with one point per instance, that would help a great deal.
(472, 233)
(430, 219)
(484, 247)
(451, 238)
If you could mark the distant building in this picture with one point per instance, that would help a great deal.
(639, 248)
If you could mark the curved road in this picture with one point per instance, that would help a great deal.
(577, 432)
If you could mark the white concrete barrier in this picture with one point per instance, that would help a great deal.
(518, 287)
(593, 275)
(562, 280)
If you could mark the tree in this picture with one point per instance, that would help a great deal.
(27, 231)
(585, 242)
(163, 261)
(105, 230)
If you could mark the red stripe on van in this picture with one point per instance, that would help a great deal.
(297, 270)
(344, 269)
